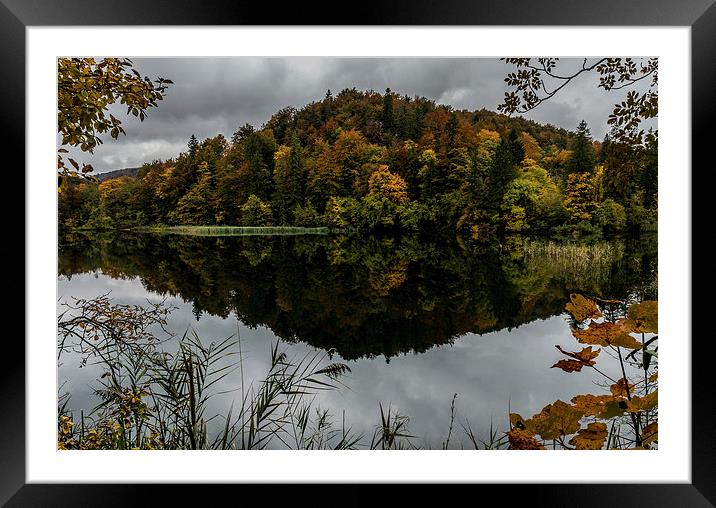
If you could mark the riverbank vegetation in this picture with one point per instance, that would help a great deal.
(385, 162)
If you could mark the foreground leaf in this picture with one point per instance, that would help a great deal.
(643, 317)
(582, 308)
(601, 406)
(620, 388)
(569, 365)
(650, 433)
(606, 334)
(523, 440)
(591, 438)
(585, 355)
(516, 421)
(555, 420)
(644, 403)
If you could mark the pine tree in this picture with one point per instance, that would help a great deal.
(193, 145)
(501, 172)
(388, 111)
(451, 128)
(605, 148)
(516, 147)
(582, 158)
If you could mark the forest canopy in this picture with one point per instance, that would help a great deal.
(367, 161)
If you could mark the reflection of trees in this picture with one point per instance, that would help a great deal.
(362, 296)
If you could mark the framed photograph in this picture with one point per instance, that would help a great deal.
(423, 244)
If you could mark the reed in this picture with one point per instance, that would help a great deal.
(574, 262)
(151, 398)
(239, 230)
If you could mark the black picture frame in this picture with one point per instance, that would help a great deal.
(16, 15)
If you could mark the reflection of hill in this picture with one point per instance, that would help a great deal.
(362, 296)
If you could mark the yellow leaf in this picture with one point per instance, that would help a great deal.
(643, 317)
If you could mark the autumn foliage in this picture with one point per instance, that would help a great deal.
(624, 418)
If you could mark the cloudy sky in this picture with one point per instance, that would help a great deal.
(217, 95)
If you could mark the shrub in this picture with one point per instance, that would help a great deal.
(256, 213)
(610, 216)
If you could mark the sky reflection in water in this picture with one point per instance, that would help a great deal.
(492, 373)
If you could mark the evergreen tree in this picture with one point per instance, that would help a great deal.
(582, 158)
(193, 145)
(290, 179)
(387, 117)
(501, 172)
(605, 149)
(244, 132)
(517, 149)
(451, 128)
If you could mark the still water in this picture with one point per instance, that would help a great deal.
(416, 320)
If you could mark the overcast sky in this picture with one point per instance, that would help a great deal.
(217, 95)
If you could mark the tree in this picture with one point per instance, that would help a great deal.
(582, 158)
(537, 82)
(516, 147)
(86, 87)
(290, 178)
(580, 200)
(385, 184)
(193, 145)
(501, 172)
(256, 213)
(387, 111)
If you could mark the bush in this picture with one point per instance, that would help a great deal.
(581, 231)
(610, 216)
(256, 213)
(307, 216)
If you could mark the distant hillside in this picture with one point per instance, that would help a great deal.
(117, 173)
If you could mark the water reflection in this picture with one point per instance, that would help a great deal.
(362, 296)
(448, 320)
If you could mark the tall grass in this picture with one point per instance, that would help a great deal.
(574, 263)
(153, 398)
(238, 230)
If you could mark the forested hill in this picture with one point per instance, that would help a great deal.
(118, 173)
(371, 161)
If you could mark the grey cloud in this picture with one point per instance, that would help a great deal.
(216, 95)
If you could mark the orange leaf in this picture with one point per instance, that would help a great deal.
(619, 389)
(585, 355)
(650, 433)
(606, 334)
(582, 308)
(516, 421)
(601, 406)
(555, 420)
(591, 438)
(570, 365)
(523, 440)
(648, 401)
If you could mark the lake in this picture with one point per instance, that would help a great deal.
(417, 320)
